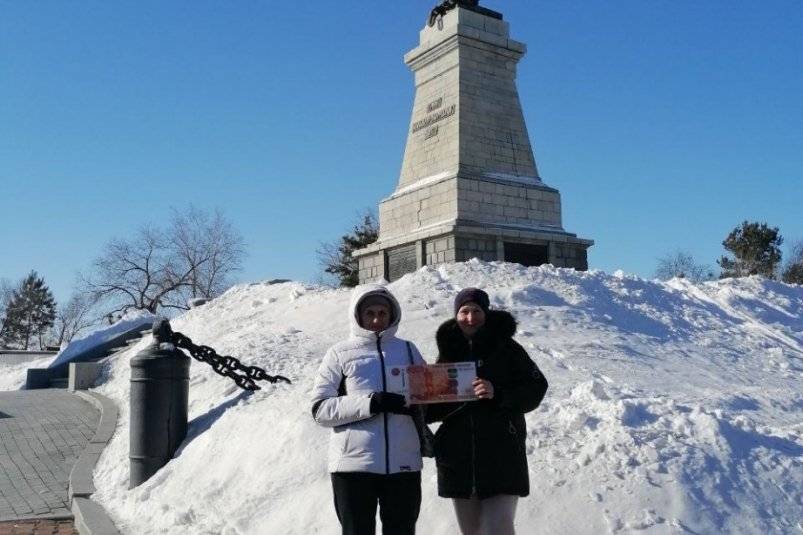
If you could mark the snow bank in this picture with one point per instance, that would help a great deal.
(673, 407)
(131, 320)
(13, 376)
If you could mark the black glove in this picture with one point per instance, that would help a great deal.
(388, 402)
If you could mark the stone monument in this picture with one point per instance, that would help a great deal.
(469, 186)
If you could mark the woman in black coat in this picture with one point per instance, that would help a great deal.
(479, 447)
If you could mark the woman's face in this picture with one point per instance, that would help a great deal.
(470, 317)
(375, 318)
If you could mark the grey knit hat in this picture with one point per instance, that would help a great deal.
(374, 299)
(472, 295)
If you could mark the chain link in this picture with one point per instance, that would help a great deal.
(244, 376)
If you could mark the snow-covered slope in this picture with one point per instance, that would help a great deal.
(672, 408)
(133, 319)
(13, 375)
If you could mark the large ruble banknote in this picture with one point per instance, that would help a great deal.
(441, 383)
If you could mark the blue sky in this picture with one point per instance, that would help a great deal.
(664, 124)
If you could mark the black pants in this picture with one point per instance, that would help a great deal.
(357, 494)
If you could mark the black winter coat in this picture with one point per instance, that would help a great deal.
(479, 447)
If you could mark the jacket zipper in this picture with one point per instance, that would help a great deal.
(384, 414)
(473, 434)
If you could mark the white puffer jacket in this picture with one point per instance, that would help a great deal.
(350, 372)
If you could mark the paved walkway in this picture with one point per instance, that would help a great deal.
(38, 527)
(42, 433)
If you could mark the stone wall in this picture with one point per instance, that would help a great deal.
(482, 201)
(568, 255)
(459, 249)
(439, 250)
(432, 143)
(411, 210)
(508, 203)
(493, 134)
(372, 267)
(480, 247)
(570, 252)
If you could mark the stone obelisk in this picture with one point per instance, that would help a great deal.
(469, 186)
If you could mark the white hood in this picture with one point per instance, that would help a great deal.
(351, 372)
(360, 293)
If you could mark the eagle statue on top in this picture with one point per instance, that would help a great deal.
(447, 5)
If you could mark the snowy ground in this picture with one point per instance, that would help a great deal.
(12, 376)
(673, 407)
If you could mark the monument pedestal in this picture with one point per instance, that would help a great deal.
(469, 186)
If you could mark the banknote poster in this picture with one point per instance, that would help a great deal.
(435, 383)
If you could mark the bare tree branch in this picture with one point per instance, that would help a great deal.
(682, 265)
(194, 257)
(210, 250)
(73, 317)
(6, 293)
(793, 269)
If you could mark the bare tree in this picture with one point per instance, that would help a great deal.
(73, 317)
(328, 255)
(138, 273)
(209, 245)
(158, 269)
(793, 270)
(796, 253)
(682, 265)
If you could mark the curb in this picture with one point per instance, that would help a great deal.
(90, 518)
(35, 518)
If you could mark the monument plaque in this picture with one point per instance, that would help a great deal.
(469, 186)
(401, 260)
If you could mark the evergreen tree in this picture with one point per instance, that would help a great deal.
(29, 314)
(336, 259)
(756, 251)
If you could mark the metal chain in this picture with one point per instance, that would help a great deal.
(244, 376)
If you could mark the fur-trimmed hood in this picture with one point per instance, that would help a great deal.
(495, 429)
(499, 327)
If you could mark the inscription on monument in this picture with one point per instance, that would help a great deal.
(434, 118)
(401, 260)
(432, 132)
(434, 105)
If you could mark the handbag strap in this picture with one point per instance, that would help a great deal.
(410, 353)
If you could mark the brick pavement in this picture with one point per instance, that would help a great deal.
(42, 433)
(38, 527)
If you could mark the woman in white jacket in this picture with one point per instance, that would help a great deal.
(374, 452)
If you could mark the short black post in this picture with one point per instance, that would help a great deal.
(159, 391)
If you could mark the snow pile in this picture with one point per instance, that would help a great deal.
(672, 407)
(131, 320)
(13, 375)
